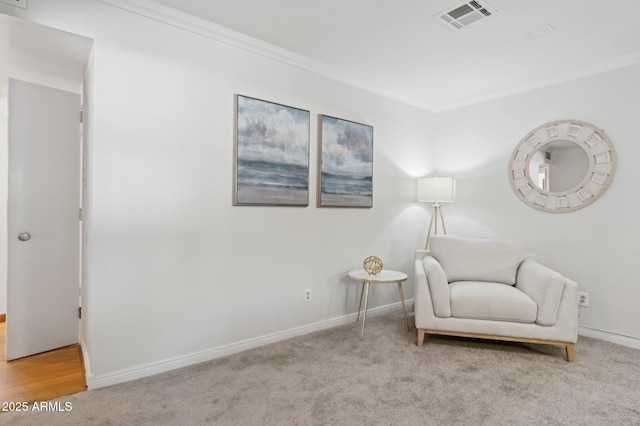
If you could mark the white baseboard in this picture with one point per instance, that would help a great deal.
(121, 376)
(88, 375)
(109, 379)
(619, 339)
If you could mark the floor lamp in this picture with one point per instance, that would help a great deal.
(436, 190)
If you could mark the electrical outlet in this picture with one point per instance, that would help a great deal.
(307, 295)
(583, 299)
(18, 3)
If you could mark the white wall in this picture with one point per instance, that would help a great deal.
(597, 245)
(4, 174)
(174, 270)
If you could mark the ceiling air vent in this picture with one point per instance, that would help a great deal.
(465, 14)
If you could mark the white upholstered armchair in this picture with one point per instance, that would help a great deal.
(491, 289)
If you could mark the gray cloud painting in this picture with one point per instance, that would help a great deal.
(346, 163)
(272, 154)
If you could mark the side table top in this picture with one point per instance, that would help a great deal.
(384, 276)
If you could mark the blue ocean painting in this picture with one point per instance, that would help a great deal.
(272, 154)
(346, 178)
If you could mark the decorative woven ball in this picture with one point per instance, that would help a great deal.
(372, 265)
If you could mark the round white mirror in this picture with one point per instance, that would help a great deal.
(562, 166)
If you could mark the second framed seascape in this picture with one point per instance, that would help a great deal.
(345, 170)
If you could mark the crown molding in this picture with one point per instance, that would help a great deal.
(557, 78)
(168, 15)
(188, 22)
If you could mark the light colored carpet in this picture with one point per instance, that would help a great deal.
(332, 378)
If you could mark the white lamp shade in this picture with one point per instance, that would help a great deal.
(436, 190)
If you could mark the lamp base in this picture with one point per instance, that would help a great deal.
(435, 212)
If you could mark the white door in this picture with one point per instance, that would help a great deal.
(43, 219)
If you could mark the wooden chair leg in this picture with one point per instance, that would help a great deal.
(421, 333)
(571, 351)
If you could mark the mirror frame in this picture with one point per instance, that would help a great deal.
(602, 166)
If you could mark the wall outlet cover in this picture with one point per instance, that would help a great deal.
(583, 299)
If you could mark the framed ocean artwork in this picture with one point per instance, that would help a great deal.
(345, 171)
(271, 154)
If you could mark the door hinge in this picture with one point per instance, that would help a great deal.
(80, 215)
(80, 312)
(81, 116)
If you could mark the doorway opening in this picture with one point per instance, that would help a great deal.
(62, 66)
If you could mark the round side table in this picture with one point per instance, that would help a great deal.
(385, 276)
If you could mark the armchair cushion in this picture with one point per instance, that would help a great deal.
(469, 259)
(544, 286)
(491, 301)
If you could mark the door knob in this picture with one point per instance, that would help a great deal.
(24, 236)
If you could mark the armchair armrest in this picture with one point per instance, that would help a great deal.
(422, 305)
(545, 286)
(422, 302)
(438, 287)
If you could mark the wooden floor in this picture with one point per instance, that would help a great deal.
(40, 377)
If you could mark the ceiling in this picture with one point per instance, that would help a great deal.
(401, 50)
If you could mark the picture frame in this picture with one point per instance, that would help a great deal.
(271, 154)
(345, 169)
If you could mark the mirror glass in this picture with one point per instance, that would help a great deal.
(559, 166)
